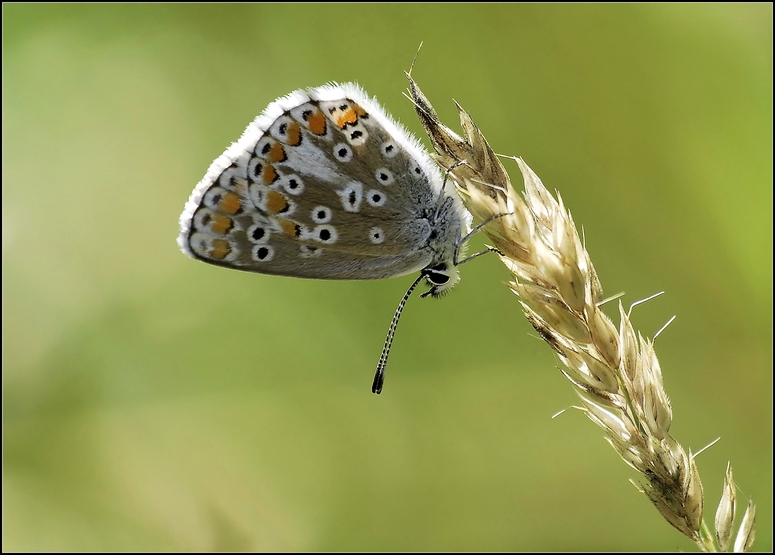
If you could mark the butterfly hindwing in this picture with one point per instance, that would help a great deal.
(323, 184)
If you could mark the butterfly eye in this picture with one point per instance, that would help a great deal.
(437, 278)
(438, 274)
(441, 277)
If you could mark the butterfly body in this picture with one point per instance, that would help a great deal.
(324, 184)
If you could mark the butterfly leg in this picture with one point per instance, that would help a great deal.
(463, 240)
(478, 254)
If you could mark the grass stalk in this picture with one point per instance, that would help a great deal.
(613, 370)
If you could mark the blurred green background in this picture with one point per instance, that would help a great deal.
(151, 402)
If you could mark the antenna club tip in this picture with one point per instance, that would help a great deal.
(376, 388)
(379, 380)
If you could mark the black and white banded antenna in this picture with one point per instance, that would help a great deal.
(379, 375)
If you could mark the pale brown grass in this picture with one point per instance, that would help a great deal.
(614, 370)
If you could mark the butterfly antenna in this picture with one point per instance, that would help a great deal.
(379, 375)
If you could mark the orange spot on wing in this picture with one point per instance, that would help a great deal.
(290, 227)
(221, 249)
(275, 202)
(317, 123)
(358, 110)
(221, 224)
(293, 134)
(277, 153)
(348, 117)
(230, 203)
(269, 174)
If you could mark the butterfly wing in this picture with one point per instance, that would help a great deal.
(322, 185)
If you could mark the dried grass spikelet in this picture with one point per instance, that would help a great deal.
(615, 372)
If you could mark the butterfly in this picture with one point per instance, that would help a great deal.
(324, 184)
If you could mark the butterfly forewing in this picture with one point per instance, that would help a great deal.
(322, 185)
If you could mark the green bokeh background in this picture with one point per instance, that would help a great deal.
(153, 402)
